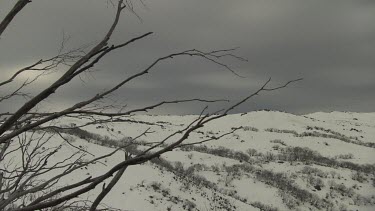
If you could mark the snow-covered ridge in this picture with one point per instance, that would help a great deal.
(265, 135)
(277, 161)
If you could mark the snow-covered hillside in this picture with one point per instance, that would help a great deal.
(275, 161)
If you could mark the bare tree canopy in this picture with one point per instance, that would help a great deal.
(27, 132)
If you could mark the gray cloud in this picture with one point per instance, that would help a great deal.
(331, 44)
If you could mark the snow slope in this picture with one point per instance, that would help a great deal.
(266, 165)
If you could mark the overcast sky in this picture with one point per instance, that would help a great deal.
(331, 44)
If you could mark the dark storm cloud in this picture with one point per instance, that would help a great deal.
(331, 44)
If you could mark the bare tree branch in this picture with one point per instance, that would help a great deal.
(65, 78)
(9, 17)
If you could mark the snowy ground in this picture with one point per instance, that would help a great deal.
(254, 168)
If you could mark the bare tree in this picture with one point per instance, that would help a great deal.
(30, 181)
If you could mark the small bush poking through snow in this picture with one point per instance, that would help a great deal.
(278, 141)
(252, 152)
(263, 207)
(249, 128)
(314, 171)
(156, 186)
(274, 130)
(190, 156)
(344, 156)
(315, 182)
(359, 176)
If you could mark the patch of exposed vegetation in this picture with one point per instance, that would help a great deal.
(307, 155)
(331, 134)
(274, 130)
